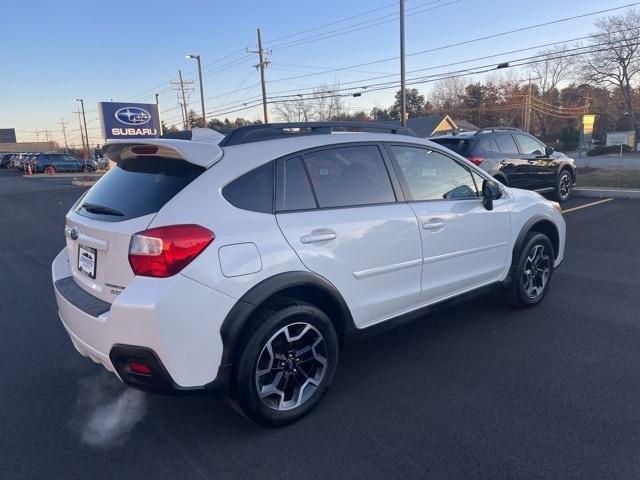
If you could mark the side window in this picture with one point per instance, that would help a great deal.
(349, 176)
(506, 144)
(253, 190)
(295, 190)
(430, 175)
(529, 145)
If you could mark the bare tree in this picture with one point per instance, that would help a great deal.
(615, 58)
(447, 93)
(554, 68)
(324, 103)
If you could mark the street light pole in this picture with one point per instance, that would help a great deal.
(403, 98)
(204, 116)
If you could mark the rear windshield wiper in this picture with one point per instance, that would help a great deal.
(94, 208)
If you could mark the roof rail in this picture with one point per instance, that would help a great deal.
(494, 129)
(271, 131)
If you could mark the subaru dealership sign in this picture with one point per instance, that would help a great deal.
(129, 120)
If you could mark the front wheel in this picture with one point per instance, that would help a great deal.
(564, 186)
(532, 271)
(287, 364)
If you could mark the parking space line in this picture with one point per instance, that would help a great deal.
(587, 205)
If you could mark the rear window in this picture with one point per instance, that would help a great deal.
(462, 146)
(137, 187)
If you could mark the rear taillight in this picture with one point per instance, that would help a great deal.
(164, 251)
(476, 160)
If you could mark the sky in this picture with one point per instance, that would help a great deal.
(55, 52)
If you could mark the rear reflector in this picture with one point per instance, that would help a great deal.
(139, 368)
(476, 160)
(164, 251)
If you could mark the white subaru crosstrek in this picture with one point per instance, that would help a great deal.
(241, 264)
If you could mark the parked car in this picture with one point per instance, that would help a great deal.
(516, 159)
(5, 160)
(61, 162)
(241, 264)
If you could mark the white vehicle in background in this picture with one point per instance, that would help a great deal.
(241, 264)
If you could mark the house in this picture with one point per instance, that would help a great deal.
(466, 126)
(430, 125)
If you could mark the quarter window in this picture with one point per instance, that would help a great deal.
(349, 176)
(253, 190)
(430, 175)
(506, 144)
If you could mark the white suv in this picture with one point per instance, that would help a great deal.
(241, 264)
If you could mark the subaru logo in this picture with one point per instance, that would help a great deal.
(132, 116)
(74, 233)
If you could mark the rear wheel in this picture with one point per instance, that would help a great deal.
(88, 169)
(50, 170)
(287, 364)
(532, 271)
(564, 186)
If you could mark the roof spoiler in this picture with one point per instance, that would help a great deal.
(202, 150)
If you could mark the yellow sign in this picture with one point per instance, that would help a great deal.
(587, 124)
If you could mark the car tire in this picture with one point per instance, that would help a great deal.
(49, 169)
(564, 185)
(88, 169)
(532, 270)
(501, 179)
(286, 364)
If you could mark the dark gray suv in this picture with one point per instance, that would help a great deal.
(516, 159)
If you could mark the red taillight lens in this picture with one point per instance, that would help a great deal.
(476, 160)
(139, 368)
(164, 251)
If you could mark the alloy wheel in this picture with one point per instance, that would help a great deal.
(291, 366)
(537, 270)
(565, 186)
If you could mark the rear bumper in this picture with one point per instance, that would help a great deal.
(173, 324)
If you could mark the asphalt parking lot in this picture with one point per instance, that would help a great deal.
(478, 390)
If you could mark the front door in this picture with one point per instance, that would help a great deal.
(542, 169)
(338, 211)
(463, 245)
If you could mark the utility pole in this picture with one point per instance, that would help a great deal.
(403, 97)
(84, 147)
(262, 65)
(86, 133)
(158, 107)
(64, 133)
(204, 115)
(37, 135)
(527, 112)
(182, 86)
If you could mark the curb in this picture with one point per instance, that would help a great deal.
(83, 183)
(607, 192)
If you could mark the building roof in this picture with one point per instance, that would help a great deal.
(466, 126)
(428, 125)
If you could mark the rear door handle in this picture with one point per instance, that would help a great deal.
(318, 237)
(433, 224)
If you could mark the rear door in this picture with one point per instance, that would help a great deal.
(512, 163)
(337, 208)
(123, 202)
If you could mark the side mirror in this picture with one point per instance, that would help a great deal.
(548, 151)
(490, 192)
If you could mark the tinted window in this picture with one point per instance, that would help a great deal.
(506, 144)
(349, 176)
(296, 191)
(484, 145)
(429, 175)
(461, 146)
(529, 145)
(137, 187)
(253, 190)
